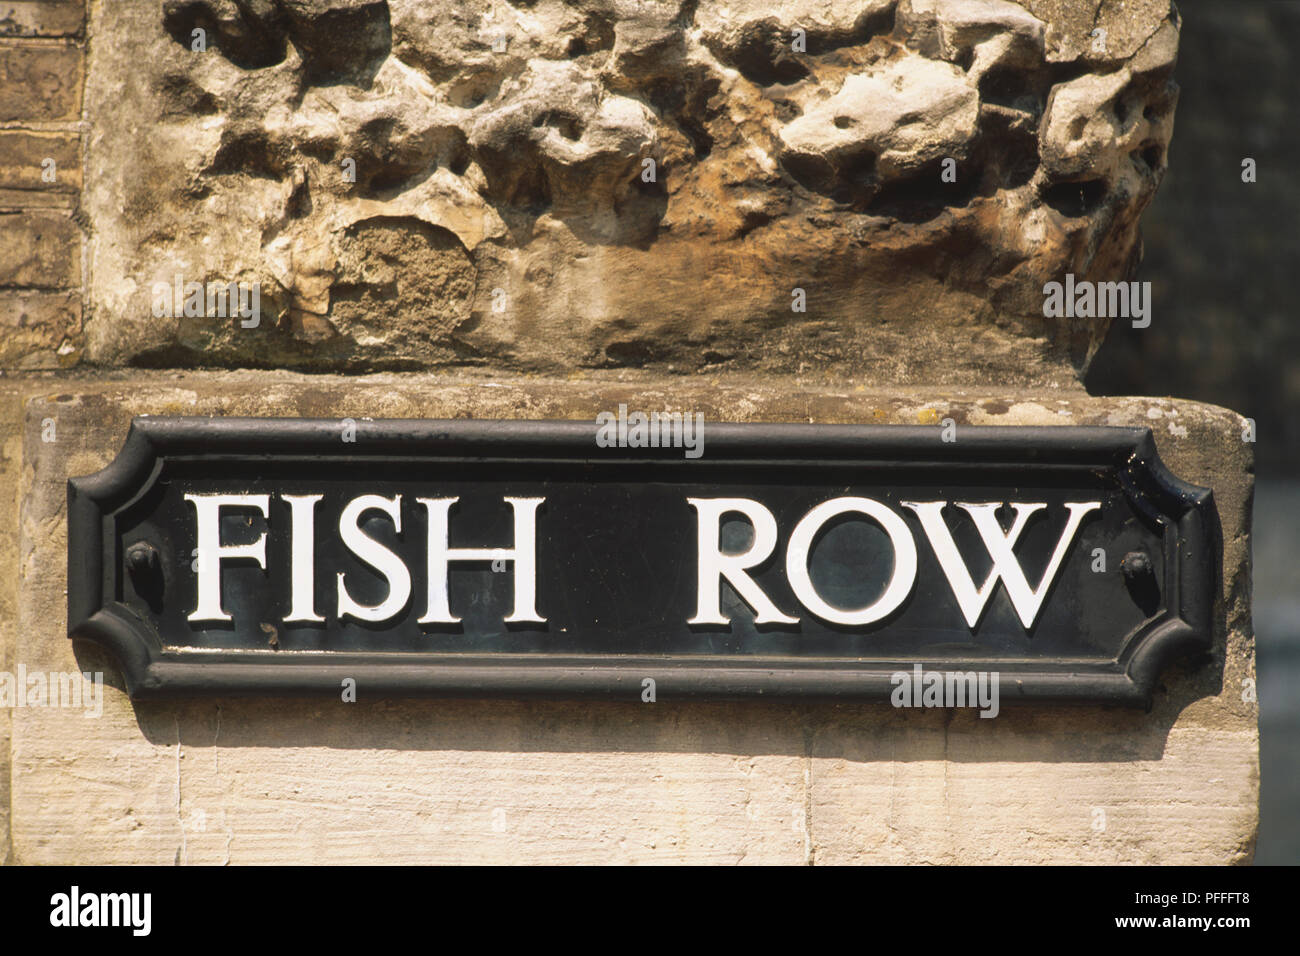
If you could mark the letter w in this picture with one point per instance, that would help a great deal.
(1006, 566)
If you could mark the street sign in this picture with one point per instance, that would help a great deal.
(508, 558)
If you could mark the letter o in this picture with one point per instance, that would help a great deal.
(900, 584)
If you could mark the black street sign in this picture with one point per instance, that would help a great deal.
(504, 558)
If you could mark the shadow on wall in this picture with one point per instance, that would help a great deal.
(850, 730)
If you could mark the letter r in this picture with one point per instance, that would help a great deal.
(714, 565)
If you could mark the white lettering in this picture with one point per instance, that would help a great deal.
(714, 565)
(900, 583)
(377, 556)
(1006, 566)
(211, 552)
(523, 554)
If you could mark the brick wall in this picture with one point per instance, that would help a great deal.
(42, 57)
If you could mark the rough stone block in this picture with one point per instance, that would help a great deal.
(39, 329)
(42, 18)
(39, 250)
(664, 185)
(40, 161)
(40, 83)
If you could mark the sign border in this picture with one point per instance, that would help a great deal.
(1182, 626)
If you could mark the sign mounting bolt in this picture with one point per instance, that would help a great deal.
(143, 562)
(1136, 564)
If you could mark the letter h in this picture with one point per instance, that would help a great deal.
(523, 554)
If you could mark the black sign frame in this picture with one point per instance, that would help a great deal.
(1183, 625)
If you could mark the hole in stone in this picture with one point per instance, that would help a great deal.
(300, 204)
(869, 24)
(810, 171)
(1075, 198)
(1007, 87)
(568, 125)
(379, 130)
(473, 91)
(1007, 148)
(701, 141)
(247, 41)
(655, 187)
(858, 171)
(843, 122)
(182, 97)
(1149, 156)
(628, 353)
(1022, 163)
(251, 153)
(321, 148)
(754, 219)
(340, 44)
(597, 35)
(388, 180)
(690, 113)
(763, 57)
(924, 195)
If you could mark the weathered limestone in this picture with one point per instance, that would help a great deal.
(446, 781)
(600, 183)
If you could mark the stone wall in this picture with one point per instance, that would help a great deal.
(446, 210)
